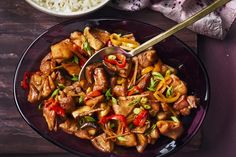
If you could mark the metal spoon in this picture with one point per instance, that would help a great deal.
(99, 56)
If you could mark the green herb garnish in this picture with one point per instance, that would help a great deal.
(114, 101)
(55, 92)
(121, 138)
(89, 119)
(150, 129)
(146, 106)
(81, 99)
(174, 118)
(158, 75)
(135, 101)
(61, 86)
(75, 78)
(169, 91)
(108, 94)
(153, 84)
(87, 48)
(75, 59)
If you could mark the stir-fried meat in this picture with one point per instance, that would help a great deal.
(140, 129)
(78, 38)
(94, 101)
(178, 85)
(125, 104)
(101, 35)
(123, 72)
(147, 58)
(100, 80)
(47, 65)
(170, 129)
(41, 86)
(142, 142)
(113, 81)
(84, 111)
(129, 140)
(50, 117)
(89, 70)
(93, 41)
(62, 50)
(144, 81)
(119, 90)
(66, 102)
(71, 68)
(184, 104)
(71, 127)
(73, 90)
(103, 144)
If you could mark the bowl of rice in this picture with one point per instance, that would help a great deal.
(67, 8)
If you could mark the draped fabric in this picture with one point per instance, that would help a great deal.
(215, 25)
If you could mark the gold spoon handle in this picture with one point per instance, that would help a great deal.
(216, 4)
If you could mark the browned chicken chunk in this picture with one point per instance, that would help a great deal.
(102, 144)
(100, 80)
(147, 58)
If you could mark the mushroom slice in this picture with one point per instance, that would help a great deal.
(103, 144)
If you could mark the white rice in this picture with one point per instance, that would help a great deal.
(68, 6)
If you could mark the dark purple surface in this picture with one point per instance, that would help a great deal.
(172, 52)
(219, 128)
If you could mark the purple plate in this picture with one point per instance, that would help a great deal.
(172, 51)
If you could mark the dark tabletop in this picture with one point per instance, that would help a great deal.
(20, 24)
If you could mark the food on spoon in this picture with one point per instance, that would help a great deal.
(129, 102)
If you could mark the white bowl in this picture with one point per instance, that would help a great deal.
(69, 14)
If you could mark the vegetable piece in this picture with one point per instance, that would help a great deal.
(135, 101)
(119, 60)
(137, 110)
(141, 118)
(75, 78)
(75, 59)
(134, 90)
(169, 91)
(121, 138)
(55, 92)
(146, 70)
(120, 118)
(24, 82)
(114, 101)
(54, 106)
(158, 75)
(160, 97)
(108, 94)
(87, 48)
(81, 99)
(152, 86)
(92, 95)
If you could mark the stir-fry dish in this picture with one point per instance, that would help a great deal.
(129, 102)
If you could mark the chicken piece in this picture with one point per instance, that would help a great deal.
(119, 90)
(101, 35)
(100, 80)
(142, 142)
(89, 71)
(125, 104)
(129, 141)
(71, 127)
(123, 72)
(78, 38)
(102, 144)
(94, 101)
(73, 90)
(47, 65)
(71, 68)
(40, 86)
(178, 85)
(144, 81)
(140, 129)
(66, 102)
(170, 129)
(93, 41)
(50, 117)
(62, 50)
(147, 58)
(184, 104)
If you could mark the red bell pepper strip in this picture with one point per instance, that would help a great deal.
(118, 117)
(120, 60)
(24, 82)
(140, 118)
(54, 105)
(92, 95)
(134, 90)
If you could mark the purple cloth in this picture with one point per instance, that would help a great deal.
(215, 25)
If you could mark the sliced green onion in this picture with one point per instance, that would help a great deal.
(61, 86)
(137, 110)
(87, 47)
(55, 92)
(121, 138)
(174, 118)
(169, 91)
(158, 75)
(114, 101)
(146, 106)
(75, 59)
(81, 99)
(108, 94)
(135, 101)
(144, 100)
(111, 57)
(89, 119)
(75, 78)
